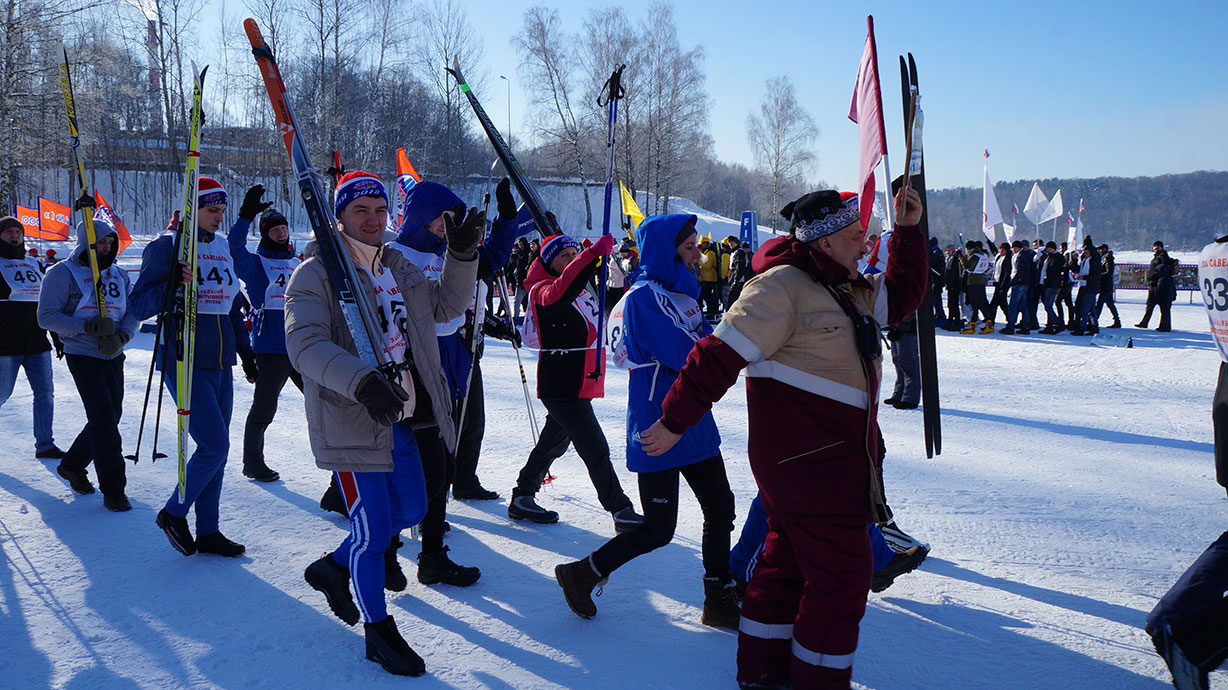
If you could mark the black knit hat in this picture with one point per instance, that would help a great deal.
(819, 214)
(269, 220)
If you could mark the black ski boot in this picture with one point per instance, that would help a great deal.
(333, 581)
(52, 453)
(437, 567)
(386, 647)
(626, 519)
(720, 604)
(261, 473)
(176, 529)
(578, 581)
(217, 543)
(525, 508)
(902, 563)
(332, 500)
(394, 577)
(77, 479)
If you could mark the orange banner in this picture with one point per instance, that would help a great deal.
(104, 210)
(54, 220)
(29, 219)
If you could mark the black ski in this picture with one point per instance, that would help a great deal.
(545, 222)
(931, 414)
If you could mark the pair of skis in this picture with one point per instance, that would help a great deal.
(914, 174)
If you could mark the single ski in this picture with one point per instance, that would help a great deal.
(85, 202)
(545, 222)
(343, 278)
(915, 175)
(612, 92)
(185, 343)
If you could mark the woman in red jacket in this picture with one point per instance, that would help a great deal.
(569, 375)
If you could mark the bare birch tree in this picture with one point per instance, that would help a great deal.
(780, 136)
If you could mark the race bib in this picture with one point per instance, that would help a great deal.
(1213, 279)
(278, 272)
(683, 312)
(113, 289)
(390, 313)
(24, 278)
(216, 284)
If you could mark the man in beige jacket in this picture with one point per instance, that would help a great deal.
(359, 422)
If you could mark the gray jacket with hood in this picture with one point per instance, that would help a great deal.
(343, 436)
(61, 294)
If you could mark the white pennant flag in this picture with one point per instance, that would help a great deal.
(1009, 231)
(1055, 209)
(1037, 204)
(991, 215)
(1071, 235)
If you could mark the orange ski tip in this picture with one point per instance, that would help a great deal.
(253, 32)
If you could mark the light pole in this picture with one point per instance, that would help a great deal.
(509, 108)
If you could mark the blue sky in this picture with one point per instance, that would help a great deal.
(1053, 89)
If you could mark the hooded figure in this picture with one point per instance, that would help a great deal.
(68, 306)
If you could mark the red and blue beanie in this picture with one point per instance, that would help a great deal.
(554, 245)
(355, 184)
(210, 192)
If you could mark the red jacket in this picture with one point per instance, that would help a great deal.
(566, 316)
(812, 433)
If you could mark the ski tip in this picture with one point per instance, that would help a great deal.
(253, 32)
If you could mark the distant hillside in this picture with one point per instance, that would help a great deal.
(1184, 211)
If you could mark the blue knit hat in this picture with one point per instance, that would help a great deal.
(355, 184)
(554, 245)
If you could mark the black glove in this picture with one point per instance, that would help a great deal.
(59, 345)
(99, 326)
(252, 205)
(383, 399)
(504, 201)
(463, 235)
(498, 328)
(111, 344)
(250, 371)
(84, 201)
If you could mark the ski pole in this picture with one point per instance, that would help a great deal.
(478, 305)
(524, 382)
(612, 92)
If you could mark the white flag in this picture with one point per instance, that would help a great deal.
(1037, 204)
(1055, 209)
(1009, 231)
(990, 214)
(1070, 236)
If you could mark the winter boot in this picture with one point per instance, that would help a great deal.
(176, 529)
(1186, 676)
(52, 453)
(626, 519)
(1116, 324)
(217, 543)
(116, 503)
(474, 492)
(970, 328)
(987, 328)
(437, 567)
(77, 479)
(261, 473)
(525, 508)
(720, 603)
(902, 563)
(386, 647)
(332, 500)
(333, 581)
(578, 581)
(394, 577)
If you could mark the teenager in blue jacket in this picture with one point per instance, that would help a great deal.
(219, 331)
(264, 274)
(652, 330)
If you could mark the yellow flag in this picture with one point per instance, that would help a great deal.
(629, 207)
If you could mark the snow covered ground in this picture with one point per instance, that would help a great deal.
(1075, 484)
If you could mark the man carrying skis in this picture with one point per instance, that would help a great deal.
(806, 331)
(422, 240)
(23, 343)
(264, 274)
(93, 344)
(360, 423)
(220, 332)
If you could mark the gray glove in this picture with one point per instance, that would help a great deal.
(463, 235)
(99, 326)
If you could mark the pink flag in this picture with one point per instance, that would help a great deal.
(866, 110)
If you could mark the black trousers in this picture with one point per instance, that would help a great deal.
(571, 421)
(710, 298)
(1154, 299)
(275, 368)
(473, 430)
(101, 385)
(659, 498)
(1106, 298)
(954, 318)
(975, 298)
(438, 467)
(1065, 296)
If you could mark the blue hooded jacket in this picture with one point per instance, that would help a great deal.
(268, 327)
(655, 332)
(425, 202)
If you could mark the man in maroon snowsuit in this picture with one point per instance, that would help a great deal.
(806, 330)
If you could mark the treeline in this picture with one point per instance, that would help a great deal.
(1185, 211)
(365, 76)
